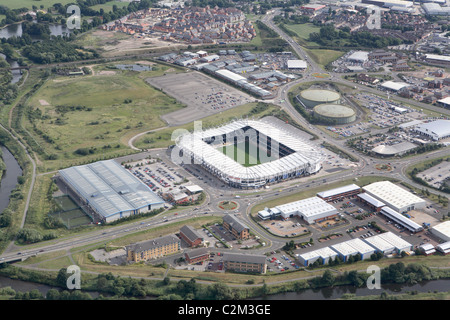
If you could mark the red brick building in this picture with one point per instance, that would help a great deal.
(197, 255)
(190, 236)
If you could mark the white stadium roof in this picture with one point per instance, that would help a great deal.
(304, 158)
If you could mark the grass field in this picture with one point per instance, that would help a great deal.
(240, 152)
(324, 56)
(108, 6)
(113, 105)
(303, 31)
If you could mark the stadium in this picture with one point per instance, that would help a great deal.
(313, 97)
(334, 114)
(248, 153)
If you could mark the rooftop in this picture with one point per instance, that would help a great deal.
(109, 187)
(336, 191)
(392, 194)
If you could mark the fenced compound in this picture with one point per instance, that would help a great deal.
(70, 213)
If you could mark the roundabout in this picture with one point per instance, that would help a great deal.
(228, 205)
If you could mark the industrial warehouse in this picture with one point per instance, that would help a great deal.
(311, 210)
(238, 153)
(109, 190)
(386, 243)
(382, 197)
(394, 196)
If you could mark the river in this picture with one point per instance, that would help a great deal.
(442, 285)
(9, 178)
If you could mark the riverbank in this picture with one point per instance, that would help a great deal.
(398, 279)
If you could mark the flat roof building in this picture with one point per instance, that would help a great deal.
(380, 244)
(337, 193)
(373, 203)
(394, 196)
(444, 247)
(110, 190)
(427, 249)
(296, 64)
(363, 248)
(239, 262)
(401, 219)
(399, 244)
(311, 210)
(394, 86)
(359, 56)
(442, 230)
(394, 150)
(436, 130)
(324, 254)
(344, 250)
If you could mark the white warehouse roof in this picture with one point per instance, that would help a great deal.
(360, 246)
(394, 196)
(395, 86)
(230, 75)
(296, 64)
(442, 230)
(360, 56)
(396, 241)
(336, 191)
(444, 247)
(375, 202)
(399, 218)
(380, 244)
(438, 129)
(310, 209)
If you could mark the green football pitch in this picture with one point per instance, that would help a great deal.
(246, 154)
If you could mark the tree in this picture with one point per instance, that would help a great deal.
(61, 278)
(327, 278)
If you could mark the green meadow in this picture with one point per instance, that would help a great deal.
(87, 118)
